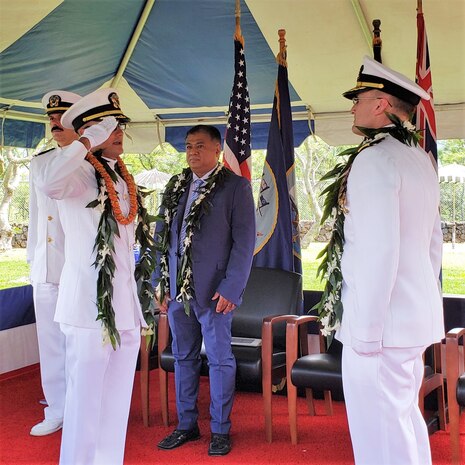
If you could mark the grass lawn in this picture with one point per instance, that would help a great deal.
(14, 271)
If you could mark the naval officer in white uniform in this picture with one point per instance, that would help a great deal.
(390, 265)
(99, 377)
(45, 254)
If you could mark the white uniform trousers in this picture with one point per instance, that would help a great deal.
(51, 349)
(381, 396)
(98, 396)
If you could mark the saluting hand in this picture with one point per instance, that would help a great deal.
(224, 305)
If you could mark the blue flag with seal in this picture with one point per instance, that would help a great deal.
(277, 243)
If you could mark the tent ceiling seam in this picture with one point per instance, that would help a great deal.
(362, 21)
(133, 42)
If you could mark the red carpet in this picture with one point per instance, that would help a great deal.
(322, 440)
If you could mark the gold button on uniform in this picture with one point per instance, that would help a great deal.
(50, 218)
(49, 239)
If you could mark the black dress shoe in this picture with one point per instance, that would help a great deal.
(179, 437)
(220, 444)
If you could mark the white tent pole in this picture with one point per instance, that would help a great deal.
(133, 42)
(362, 20)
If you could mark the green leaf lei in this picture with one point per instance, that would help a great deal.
(176, 186)
(105, 263)
(330, 307)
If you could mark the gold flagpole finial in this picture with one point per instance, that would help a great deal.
(238, 33)
(282, 55)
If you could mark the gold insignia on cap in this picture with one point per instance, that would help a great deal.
(114, 100)
(54, 101)
(374, 85)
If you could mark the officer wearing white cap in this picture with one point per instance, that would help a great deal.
(45, 254)
(390, 267)
(98, 296)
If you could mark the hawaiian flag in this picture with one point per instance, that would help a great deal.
(237, 153)
(425, 119)
(277, 244)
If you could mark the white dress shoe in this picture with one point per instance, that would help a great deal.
(46, 427)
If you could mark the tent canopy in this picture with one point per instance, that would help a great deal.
(172, 60)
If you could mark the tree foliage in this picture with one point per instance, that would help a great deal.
(451, 151)
(164, 158)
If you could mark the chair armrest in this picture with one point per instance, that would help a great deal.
(455, 333)
(267, 337)
(293, 341)
(453, 368)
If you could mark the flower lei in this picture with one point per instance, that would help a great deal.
(330, 307)
(176, 186)
(108, 203)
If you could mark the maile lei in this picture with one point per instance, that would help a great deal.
(334, 209)
(108, 202)
(176, 186)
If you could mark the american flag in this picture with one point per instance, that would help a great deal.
(425, 119)
(237, 138)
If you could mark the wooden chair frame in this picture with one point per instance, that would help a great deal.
(435, 382)
(144, 380)
(297, 345)
(267, 368)
(454, 368)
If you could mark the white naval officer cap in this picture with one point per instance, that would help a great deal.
(94, 107)
(374, 75)
(58, 101)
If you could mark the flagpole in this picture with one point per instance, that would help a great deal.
(420, 6)
(282, 55)
(377, 42)
(238, 33)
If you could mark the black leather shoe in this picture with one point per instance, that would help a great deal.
(220, 444)
(179, 437)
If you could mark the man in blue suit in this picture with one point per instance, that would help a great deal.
(206, 241)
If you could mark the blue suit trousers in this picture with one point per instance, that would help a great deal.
(187, 333)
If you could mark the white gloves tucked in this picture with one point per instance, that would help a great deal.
(100, 132)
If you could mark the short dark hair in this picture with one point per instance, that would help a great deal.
(403, 106)
(210, 130)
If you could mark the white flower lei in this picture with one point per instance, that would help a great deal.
(177, 185)
(105, 263)
(330, 307)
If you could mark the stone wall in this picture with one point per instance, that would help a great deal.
(447, 230)
(308, 233)
(19, 239)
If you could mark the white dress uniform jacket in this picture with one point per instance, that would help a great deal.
(45, 241)
(45, 254)
(393, 246)
(71, 180)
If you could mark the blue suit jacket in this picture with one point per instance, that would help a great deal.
(222, 248)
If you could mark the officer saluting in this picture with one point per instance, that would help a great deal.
(93, 188)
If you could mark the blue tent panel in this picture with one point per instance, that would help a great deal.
(22, 133)
(176, 135)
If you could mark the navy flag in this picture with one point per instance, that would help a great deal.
(277, 220)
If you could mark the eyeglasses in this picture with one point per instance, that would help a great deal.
(355, 100)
